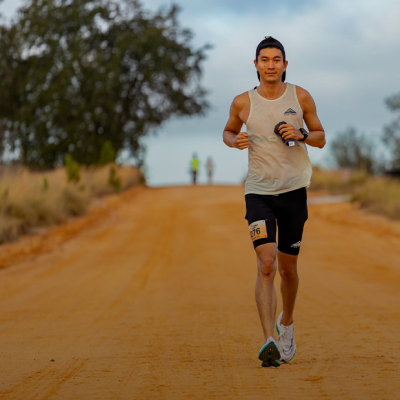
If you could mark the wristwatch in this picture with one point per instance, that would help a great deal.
(305, 133)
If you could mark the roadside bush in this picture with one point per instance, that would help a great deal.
(375, 193)
(380, 195)
(72, 169)
(29, 199)
(113, 180)
(75, 200)
(337, 180)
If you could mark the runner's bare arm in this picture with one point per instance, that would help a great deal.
(232, 136)
(316, 134)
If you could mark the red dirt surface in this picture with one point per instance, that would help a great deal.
(151, 296)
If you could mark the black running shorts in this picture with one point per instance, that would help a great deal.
(287, 210)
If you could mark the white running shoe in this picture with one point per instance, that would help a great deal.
(287, 346)
(269, 354)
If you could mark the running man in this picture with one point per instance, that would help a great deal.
(279, 172)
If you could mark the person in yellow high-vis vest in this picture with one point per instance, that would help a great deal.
(194, 167)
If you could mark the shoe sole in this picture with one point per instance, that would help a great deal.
(270, 356)
(266, 364)
(293, 341)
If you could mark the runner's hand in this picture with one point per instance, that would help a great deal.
(241, 141)
(288, 131)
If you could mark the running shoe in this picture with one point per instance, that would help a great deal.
(269, 354)
(287, 346)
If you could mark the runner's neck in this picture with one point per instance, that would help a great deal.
(271, 91)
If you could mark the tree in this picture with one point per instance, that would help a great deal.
(77, 73)
(353, 150)
(107, 153)
(392, 131)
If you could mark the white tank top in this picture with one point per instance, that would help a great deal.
(274, 167)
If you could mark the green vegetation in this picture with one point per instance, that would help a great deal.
(72, 169)
(75, 75)
(107, 154)
(82, 80)
(375, 193)
(30, 199)
(380, 195)
(337, 181)
(113, 180)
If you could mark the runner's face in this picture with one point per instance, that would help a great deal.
(270, 65)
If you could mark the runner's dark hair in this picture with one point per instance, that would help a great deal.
(271, 42)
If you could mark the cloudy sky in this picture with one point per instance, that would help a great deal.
(345, 53)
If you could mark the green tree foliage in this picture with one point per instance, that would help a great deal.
(77, 73)
(107, 153)
(392, 131)
(353, 150)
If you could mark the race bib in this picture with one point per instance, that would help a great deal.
(258, 230)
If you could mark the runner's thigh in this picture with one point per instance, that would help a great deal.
(291, 217)
(261, 219)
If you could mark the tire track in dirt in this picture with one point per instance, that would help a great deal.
(44, 383)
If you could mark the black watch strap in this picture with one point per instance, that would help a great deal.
(305, 133)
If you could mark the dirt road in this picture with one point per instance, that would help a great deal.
(155, 301)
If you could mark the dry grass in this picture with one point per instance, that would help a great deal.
(29, 199)
(337, 181)
(380, 195)
(377, 194)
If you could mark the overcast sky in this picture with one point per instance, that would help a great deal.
(345, 53)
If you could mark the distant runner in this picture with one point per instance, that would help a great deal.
(279, 172)
(210, 169)
(194, 166)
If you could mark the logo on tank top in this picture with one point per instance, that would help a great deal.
(290, 112)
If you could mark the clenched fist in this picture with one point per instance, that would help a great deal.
(288, 131)
(241, 141)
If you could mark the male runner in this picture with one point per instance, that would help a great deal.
(275, 191)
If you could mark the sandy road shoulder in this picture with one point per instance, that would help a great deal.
(48, 239)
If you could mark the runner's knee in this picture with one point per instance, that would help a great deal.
(266, 266)
(288, 271)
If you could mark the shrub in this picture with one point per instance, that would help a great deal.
(113, 180)
(72, 169)
(380, 195)
(30, 199)
(336, 181)
(107, 153)
(76, 201)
